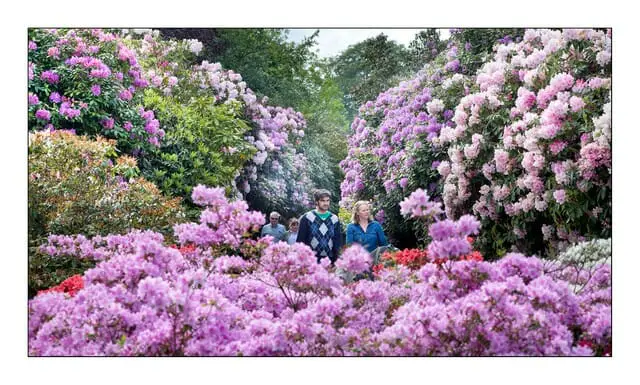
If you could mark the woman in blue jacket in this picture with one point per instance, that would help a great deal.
(364, 230)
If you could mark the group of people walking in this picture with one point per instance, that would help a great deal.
(321, 230)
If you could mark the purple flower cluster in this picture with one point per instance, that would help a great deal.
(450, 238)
(276, 170)
(540, 130)
(222, 222)
(411, 117)
(418, 205)
(355, 259)
(144, 298)
(97, 61)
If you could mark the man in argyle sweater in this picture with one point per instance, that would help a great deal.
(320, 229)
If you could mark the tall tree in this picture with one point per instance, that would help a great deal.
(424, 47)
(367, 68)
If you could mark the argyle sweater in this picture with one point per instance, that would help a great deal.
(323, 236)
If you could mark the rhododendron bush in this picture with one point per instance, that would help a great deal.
(524, 143)
(187, 123)
(218, 293)
(79, 185)
(255, 146)
(88, 80)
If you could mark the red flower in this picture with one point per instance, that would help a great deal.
(412, 258)
(184, 249)
(586, 343)
(71, 286)
(474, 256)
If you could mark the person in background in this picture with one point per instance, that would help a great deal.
(273, 228)
(364, 230)
(320, 229)
(291, 235)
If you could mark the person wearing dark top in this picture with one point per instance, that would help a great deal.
(364, 230)
(320, 229)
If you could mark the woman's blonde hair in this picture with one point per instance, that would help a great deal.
(356, 207)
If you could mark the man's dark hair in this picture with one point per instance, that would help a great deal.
(319, 194)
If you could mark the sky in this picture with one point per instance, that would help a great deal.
(333, 41)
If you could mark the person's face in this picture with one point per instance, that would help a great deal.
(324, 203)
(363, 212)
(273, 220)
(294, 227)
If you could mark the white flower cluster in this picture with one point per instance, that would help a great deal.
(602, 132)
(449, 82)
(195, 46)
(588, 253)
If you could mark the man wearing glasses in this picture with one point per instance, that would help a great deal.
(273, 228)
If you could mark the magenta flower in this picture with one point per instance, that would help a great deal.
(50, 77)
(354, 259)
(43, 115)
(107, 123)
(33, 99)
(55, 97)
(54, 52)
(95, 90)
(125, 95)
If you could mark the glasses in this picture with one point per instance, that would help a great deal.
(274, 219)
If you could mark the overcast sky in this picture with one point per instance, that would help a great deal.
(333, 41)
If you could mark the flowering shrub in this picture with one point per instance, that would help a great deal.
(524, 143)
(204, 144)
(77, 185)
(260, 137)
(541, 157)
(99, 82)
(145, 298)
(591, 253)
(89, 81)
(390, 151)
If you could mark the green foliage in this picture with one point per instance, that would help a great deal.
(424, 47)
(367, 68)
(480, 45)
(204, 143)
(75, 187)
(46, 271)
(270, 64)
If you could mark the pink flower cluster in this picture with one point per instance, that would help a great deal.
(145, 298)
(418, 205)
(222, 222)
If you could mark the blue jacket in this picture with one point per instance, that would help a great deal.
(370, 240)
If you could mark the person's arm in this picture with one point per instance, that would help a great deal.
(350, 229)
(262, 232)
(382, 240)
(303, 231)
(337, 241)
